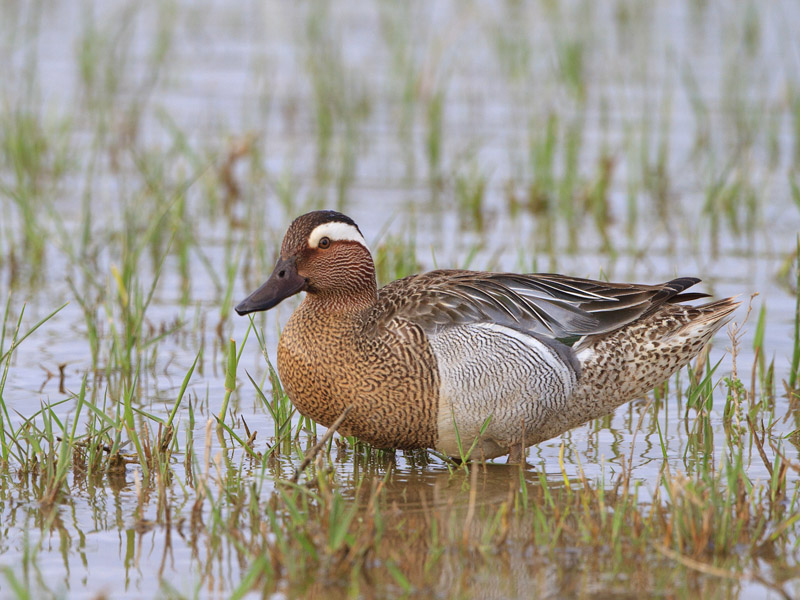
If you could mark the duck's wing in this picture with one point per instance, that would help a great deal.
(553, 305)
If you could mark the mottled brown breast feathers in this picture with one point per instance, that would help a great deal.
(327, 362)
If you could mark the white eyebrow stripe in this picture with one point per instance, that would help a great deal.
(336, 231)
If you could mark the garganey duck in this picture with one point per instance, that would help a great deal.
(426, 361)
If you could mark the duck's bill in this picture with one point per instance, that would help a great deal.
(285, 281)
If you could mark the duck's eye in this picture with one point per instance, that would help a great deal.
(324, 243)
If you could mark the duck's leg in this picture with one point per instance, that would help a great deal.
(516, 451)
(516, 454)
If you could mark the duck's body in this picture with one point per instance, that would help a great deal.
(327, 362)
(428, 360)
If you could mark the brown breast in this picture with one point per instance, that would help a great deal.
(327, 362)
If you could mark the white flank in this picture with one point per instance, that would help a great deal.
(541, 350)
(336, 232)
(488, 368)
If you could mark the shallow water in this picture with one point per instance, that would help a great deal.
(707, 85)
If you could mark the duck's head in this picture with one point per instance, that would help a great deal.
(323, 253)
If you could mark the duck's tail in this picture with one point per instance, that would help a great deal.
(628, 363)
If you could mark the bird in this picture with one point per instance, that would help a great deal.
(451, 360)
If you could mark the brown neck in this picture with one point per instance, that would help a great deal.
(341, 280)
(341, 302)
(357, 296)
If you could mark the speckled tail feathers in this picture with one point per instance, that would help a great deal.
(630, 362)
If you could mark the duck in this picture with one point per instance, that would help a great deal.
(451, 360)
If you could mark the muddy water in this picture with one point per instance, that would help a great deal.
(706, 85)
